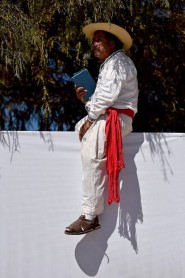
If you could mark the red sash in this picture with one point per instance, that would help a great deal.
(114, 151)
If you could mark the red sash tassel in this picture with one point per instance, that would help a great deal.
(114, 151)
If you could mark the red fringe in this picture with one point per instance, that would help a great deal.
(114, 151)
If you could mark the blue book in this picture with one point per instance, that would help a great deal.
(84, 79)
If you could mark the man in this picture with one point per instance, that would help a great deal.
(110, 112)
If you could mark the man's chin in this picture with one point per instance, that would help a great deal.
(96, 53)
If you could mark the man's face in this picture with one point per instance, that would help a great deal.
(102, 46)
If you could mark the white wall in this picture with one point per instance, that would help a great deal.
(40, 194)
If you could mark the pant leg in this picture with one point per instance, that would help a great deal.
(94, 168)
(94, 164)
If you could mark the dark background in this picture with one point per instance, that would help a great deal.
(41, 46)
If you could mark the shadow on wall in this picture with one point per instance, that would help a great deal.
(159, 147)
(10, 140)
(91, 249)
(130, 209)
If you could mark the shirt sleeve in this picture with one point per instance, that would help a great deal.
(110, 82)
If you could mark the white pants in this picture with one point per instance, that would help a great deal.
(94, 163)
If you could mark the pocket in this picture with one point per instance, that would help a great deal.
(95, 139)
(80, 123)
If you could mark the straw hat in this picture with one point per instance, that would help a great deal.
(114, 29)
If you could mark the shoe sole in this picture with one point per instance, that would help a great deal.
(83, 232)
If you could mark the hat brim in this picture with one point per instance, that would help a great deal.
(114, 29)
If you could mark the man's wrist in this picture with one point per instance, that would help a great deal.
(84, 100)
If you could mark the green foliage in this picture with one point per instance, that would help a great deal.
(31, 32)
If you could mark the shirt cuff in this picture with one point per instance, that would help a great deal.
(90, 119)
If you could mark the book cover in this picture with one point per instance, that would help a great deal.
(84, 79)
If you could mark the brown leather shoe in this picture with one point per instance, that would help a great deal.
(82, 226)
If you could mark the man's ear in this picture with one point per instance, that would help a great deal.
(112, 44)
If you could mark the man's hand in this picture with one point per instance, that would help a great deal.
(80, 93)
(84, 129)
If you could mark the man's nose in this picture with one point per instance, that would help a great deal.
(95, 43)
